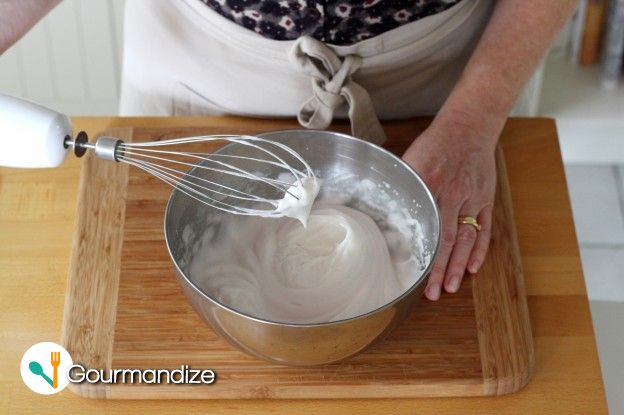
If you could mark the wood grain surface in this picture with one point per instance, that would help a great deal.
(93, 278)
(477, 342)
(37, 218)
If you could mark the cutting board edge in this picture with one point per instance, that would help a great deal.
(250, 390)
(505, 376)
(91, 345)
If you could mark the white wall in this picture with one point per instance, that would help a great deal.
(70, 61)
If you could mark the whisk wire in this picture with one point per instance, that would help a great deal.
(198, 195)
(236, 171)
(180, 175)
(269, 162)
(223, 196)
(240, 139)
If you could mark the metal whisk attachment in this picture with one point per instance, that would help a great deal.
(249, 179)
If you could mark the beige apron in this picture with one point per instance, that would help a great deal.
(182, 58)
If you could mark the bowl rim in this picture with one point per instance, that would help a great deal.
(396, 300)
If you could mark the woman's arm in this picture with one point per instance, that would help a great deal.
(512, 45)
(18, 16)
(455, 155)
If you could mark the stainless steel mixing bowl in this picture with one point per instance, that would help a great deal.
(331, 155)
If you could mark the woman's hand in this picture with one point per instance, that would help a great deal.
(457, 163)
(455, 155)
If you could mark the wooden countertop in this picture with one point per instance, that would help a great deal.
(37, 210)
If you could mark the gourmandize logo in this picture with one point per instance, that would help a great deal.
(47, 368)
(55, 360)
(44, 368)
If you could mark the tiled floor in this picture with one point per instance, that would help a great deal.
(597, 196)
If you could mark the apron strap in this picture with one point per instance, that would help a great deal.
(332, 87)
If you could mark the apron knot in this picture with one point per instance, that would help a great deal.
(332, 86)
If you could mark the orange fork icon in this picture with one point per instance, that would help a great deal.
(55, 360)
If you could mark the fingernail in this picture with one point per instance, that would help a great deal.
(453, 285)
(474, 267)
(433, 291)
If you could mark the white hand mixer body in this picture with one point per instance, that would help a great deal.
(33, 136)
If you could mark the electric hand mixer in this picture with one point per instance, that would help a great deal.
(33, 136)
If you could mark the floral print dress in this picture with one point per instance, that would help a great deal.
(342, 22)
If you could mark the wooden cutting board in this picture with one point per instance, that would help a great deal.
(125, 309)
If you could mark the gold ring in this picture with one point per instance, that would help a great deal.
(469, 220)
